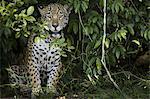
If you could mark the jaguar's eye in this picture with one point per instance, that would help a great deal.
(48, 16)
(60, 12)
(61, 16)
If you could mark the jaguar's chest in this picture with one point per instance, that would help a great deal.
(44, 51)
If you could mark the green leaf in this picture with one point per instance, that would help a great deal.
(71, 47)
(42, 36)
(142, 33)
(22, 12)
(101, 3)
(63, 54)
(117, 53)
(90, 30)
(123, 33)
(63, 44)
(37, 39)
(77, 5)
(69, 41)
(89, 71)
(84, 6)
(107, 42)
(86, 30)
(17, 35)
(25, 35)
(97, 44)
(94, 19)
(117, 8)
(136, 42)
(113, 7)
(28, 33)
(17, 29)
(110, 57)
(121, 6)
(30, 10)
(148, 34)
(46, 27)
(116, 37)
(75, 27)
(62, 40)
(131, 30)
(137, 18)
(98, 64)
(92, 60)
(96, 29)
(122, 49)
(119, 36)
(30, 19)
(112, 36)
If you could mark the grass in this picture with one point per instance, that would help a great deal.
(130, 91)
(79, 88)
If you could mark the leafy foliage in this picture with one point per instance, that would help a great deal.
(128, 34)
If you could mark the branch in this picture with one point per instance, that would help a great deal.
(80, 19)
(103, 50)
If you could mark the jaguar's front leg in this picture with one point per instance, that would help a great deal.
(35, 81)
(53, 72)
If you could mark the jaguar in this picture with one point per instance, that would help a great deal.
(42, 61)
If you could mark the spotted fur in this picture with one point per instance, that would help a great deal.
(42, 60)
(56, 16)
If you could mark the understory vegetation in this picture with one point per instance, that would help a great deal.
(126, 47)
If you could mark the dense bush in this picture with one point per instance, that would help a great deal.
(128, 35)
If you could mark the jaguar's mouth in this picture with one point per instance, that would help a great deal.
(56, 34)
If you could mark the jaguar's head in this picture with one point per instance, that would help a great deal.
(56, 15)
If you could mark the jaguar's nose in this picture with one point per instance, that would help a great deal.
(55, 26)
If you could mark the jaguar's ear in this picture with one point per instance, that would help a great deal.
(68, 8)
(40, 8)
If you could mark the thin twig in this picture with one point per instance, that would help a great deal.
(126, 73)
(80, 19)
(103, 50)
